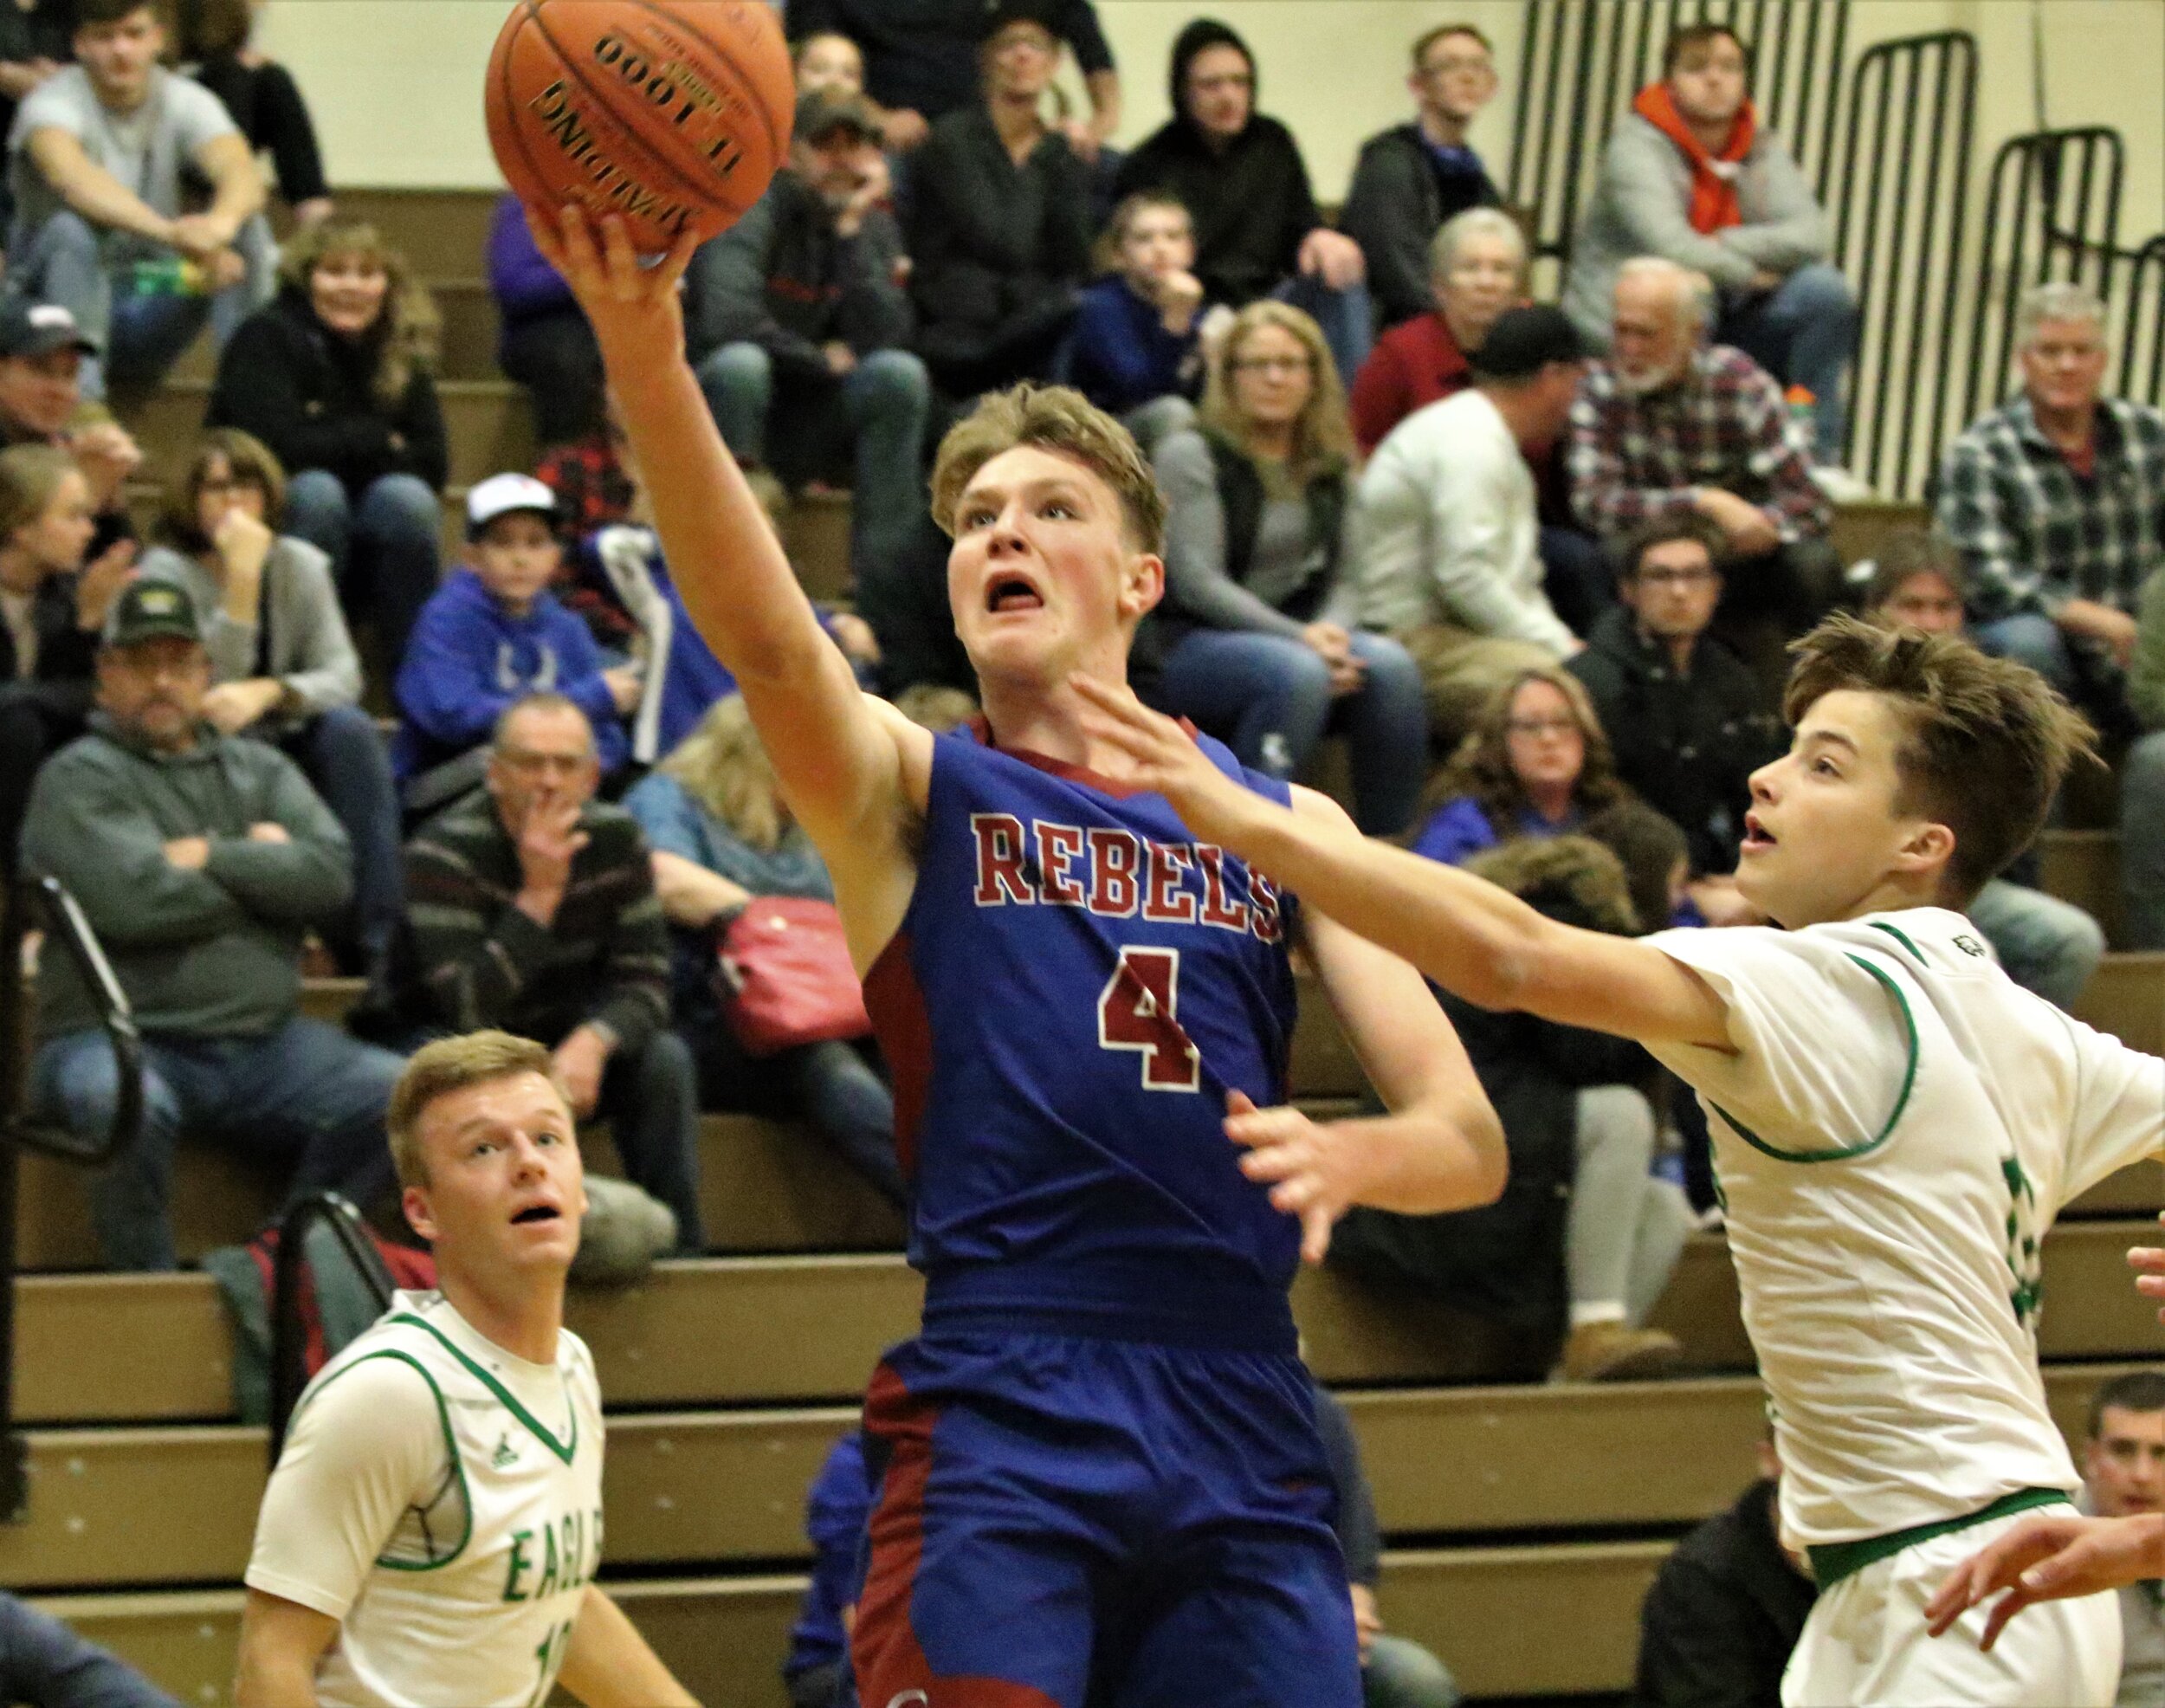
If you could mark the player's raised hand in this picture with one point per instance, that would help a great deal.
(633, 307)
(1310, 1168)
(2150, 1262)
(1163, 759)
(2048, 1558)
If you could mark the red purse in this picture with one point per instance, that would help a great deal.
(785, 978)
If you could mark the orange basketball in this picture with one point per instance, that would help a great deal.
(673, 113)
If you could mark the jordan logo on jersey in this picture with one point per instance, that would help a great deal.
(1119, 875)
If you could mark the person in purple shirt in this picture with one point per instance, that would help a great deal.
(1536, 764)
(546, 344)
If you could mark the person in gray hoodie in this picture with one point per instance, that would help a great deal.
(200, 860)
(1692, 176)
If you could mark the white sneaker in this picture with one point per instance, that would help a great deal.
(1841, 487)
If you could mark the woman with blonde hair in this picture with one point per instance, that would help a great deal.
(721, 835)
(334, 376)
(1254, 631)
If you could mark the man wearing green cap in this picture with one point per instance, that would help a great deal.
(200, 860)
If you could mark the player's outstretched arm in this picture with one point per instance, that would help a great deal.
(281, 1643)
(2049, 1558)
(836, 757)
(608, 1664)
(1473, 939)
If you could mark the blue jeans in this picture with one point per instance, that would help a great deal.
(340, 751)
(650, 1098)
(1269, 698)
(2033, 638)
(386, 550)
(2143, 842)
(66, 260)
(1803, 332)
(871, 420)
(1347, 317)
(2046, 945)
(305, 1097)
(1400, 1674)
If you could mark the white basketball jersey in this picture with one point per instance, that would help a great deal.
(440, 1499)
(1897, 1130)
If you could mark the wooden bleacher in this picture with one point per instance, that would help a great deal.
(1512, 1513)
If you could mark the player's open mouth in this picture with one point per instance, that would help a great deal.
(1756, 836)
(537, 1212)
(1011, 593)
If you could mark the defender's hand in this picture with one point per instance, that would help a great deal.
(2048, 1558)
(1166, 758)
(1310, 1168)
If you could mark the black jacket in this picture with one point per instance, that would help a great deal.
(1251, 205)
(923, 55)
(66, 655)
(1687, 745)
(304, 391)
(1401, 197)
(998, 250)
(1724, 1613)
(781, 278)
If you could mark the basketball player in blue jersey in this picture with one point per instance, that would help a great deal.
(1099, 1474)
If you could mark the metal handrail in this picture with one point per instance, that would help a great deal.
(289, 1374)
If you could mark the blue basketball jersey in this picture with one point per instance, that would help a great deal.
(1075, 986)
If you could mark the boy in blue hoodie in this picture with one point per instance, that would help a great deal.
(492, 634)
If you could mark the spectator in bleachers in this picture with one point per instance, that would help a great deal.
(999, 221)
(1690, 176)
(2046, 945)
(920, 59)
(592, 489)
(1138, 346)
(1395, 1671)
(532, 908)
(1447, 549)
(1535, 764)
(36, 40)
(544, 341)
(1240, 176)
(2142, 779)
(721, 835)
(826, 59)
(1726, 1607)
(104, 159)
(1670, 426)
(2056, 501)
(1476, 267)
(43, 1663)
(282, 665)
(1259, 523)
(494, 634)
(334, 376)
(1687, 719)
(1577, 1252)
(51, 609)
(1414, 179)
(815, 1672)
(798, 324)
(42, 354)
(200, 860)
(2123, 1473)
(261, 94)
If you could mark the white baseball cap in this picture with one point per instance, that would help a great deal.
(502, 495)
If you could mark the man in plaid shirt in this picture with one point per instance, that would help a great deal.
(1669, 426)
(2056, 503)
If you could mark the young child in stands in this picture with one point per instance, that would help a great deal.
(1138, 332)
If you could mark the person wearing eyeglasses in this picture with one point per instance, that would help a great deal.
(1687, 717)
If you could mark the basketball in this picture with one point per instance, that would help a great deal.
(672, 114)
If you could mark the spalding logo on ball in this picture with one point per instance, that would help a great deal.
(672, 114)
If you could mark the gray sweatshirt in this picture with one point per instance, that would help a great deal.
(1642, 205)
(311, 650)
(213, 953)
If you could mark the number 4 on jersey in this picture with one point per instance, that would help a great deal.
(1140, 1011)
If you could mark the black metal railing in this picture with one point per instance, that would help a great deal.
(289, 1339)
(48, 902)
(1899, 202)
(2143, 330)
(1582, 60)
(2051, 210)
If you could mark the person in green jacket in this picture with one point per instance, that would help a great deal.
(200, 860)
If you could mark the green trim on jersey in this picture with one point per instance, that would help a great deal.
(450, 1447)
(564, 1450)
(1848, 1153)
(1894, 932)
(1832, 1561)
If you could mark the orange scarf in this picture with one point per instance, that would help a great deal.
(1714, 203)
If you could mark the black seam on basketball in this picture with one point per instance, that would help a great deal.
(779, 139)
(702, 194)
(517, 130)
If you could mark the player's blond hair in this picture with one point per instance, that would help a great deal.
(1060, 420)
(451, 1065)
(1986, 741)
